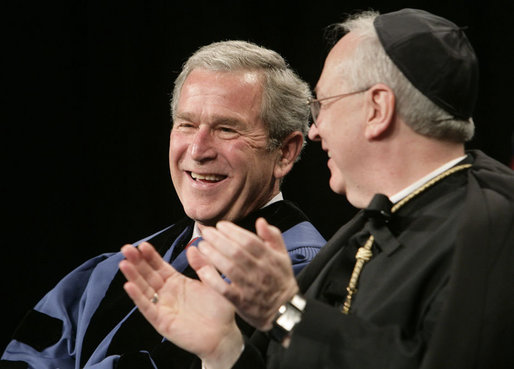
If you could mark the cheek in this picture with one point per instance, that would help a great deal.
(238, 146)
(237, 154)
(178, 147)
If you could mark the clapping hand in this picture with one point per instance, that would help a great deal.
(257, 265)
(185, 311)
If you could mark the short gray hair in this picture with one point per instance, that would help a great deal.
(284, 100)
(370, 65)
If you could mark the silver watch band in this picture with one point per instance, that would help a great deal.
(287, 317)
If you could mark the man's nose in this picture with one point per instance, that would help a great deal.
(313, 133)
(203, 145)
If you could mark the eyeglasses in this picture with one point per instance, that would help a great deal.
(315, 104)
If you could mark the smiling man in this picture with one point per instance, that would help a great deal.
(239, 123)
(222, 163)
(421, 278)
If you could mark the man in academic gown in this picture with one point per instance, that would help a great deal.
(421, 277)
(239, 122)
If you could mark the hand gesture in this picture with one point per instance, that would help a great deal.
(185, 311)
(258, 267)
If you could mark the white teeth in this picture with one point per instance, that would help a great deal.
(207, 177)
(329, 156)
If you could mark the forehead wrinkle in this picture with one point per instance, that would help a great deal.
(221, 119)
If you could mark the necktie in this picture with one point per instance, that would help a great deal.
(194, 242)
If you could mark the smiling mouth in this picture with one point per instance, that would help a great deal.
(213, 178)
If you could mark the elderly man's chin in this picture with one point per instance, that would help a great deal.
(336, 182)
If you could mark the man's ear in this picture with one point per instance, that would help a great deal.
(380, 112)
(288, 153)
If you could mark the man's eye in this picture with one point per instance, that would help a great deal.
(184, 126)
(227, 132)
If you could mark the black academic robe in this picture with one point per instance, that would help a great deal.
(438, 293)
(88, 321)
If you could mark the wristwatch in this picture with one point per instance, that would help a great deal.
(287, 317)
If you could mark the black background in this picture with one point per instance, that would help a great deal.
(86, 118)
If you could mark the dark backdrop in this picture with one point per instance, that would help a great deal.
(86, 118)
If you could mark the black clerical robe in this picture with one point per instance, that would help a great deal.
(438, 292)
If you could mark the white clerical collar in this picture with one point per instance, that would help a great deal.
(277, 197)
(406, 191)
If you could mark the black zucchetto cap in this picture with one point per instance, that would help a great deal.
(435, 55)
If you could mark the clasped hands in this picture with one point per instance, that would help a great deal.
(198, 315)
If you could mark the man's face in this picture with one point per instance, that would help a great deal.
(339, 124)
(219, 163)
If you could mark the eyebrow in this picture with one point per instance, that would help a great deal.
(184, 116)
(216, 119)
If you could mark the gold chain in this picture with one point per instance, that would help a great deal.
(364, 253)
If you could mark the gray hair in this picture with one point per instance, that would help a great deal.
(284, 101)
(370, 65)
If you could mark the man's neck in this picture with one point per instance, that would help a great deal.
(399, 164)
(197, 229)
(429, 156)
(412, 187)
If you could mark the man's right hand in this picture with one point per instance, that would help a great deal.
(185, 311)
